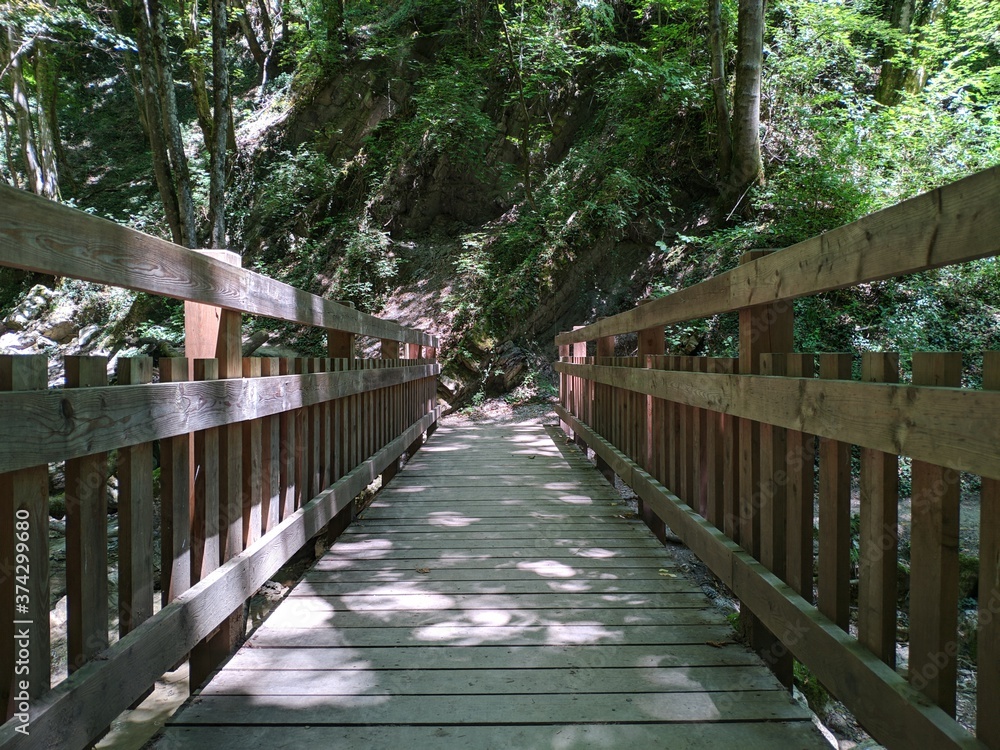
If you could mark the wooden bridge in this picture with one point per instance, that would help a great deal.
(493, 595)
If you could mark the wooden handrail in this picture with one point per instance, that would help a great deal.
(956, 223)
(45, 237)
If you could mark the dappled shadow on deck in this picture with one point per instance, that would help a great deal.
(495, 595)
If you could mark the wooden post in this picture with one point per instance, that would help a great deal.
(800, 496)
(988, 635)
(564, 350)
(764, 329)
(835, 510)
(24, 531)
(175, 499)
(877, 558)
(933, 666)
(729, 427)
(214, 332)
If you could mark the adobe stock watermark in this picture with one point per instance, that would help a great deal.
(22, 627)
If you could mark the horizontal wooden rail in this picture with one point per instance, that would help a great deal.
(953, 224)
(78, 709)
(882, 700)
(45, 237)
(53, 425)
(952, 427)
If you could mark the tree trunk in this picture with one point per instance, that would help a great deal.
(46, 94)
(166, 96)
(18, 91)
(8, 143)
(196, 64)
(152, 118)
(747, 166)
(221, 125)
(253, 43)
(892, 77)
(334, 17)
(717, 51)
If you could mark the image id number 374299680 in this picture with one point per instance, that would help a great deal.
(22, 627)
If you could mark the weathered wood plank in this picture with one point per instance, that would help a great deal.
(933, 666)
(772, 705)
(461, 635)
(135, 515)
(879, 533)
(988, 635)
(50, 238)
(57, 424)
(86, 534)
(954, 427)
(492, 681)
(834, 581)
(24, 561)
(746, 735)
(175, 499)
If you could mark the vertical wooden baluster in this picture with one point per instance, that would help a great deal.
(933, 666)
(835, 510)
(86, 534)
(315, 442)
(673, 433)
(605, 351)
(564, 387)
(326, 428)
(206, 544)
(988, 635)
(662, 441)
(271, 461)
(24, 530)
(729, 429)
(175, 499)
(340, 346)
(205, 525)
(253, 466)
(301, 440)
(579, 388)
(286, 426)
(773, 481)
(801, 492)
(714, 459)
(389, 353)
(877, 546)
(688, 456)
(135, 515)
(700, 465)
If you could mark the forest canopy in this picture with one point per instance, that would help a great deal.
(657, 138)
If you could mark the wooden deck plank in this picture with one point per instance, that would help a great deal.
(747, 736)
(495, 602)
(493, 681)
(457, 634)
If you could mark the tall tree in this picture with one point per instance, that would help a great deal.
(221, 125)
(747, 166)
(893, 74)
(740, 163)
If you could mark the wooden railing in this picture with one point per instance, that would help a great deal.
(256, 457)
(724, 452)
